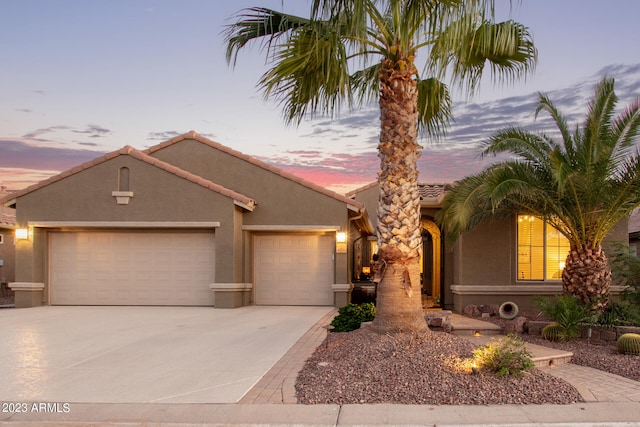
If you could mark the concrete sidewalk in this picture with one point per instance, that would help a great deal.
(599, 414)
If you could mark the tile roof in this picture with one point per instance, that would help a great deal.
(431, 192)
(7, 217)
(240, 199)
(195, 136)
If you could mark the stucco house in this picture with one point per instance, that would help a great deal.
(497, 262)
(634, 232)
(7, 248)
(186, 222)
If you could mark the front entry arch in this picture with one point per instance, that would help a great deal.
(431, 262)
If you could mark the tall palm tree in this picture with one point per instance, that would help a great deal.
(350, 52)
(582, 185)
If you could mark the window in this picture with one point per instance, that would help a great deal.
(542, 250)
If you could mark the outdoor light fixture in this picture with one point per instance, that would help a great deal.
(341, 242)
(476, 334)
(22, 233)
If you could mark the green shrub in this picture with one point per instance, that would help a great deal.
(553, 332)
(567, 312)
(619, 314)
(629, 344)
(351, 316)
(506, 356)
(625, 269)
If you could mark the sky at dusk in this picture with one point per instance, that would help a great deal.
(80, 78)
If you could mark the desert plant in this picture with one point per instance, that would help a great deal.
(553, 332)
(582, 184)
(619, 314)
(568, 312)
(625, 268)
(629, 344)
(506, 356)
(351, 316)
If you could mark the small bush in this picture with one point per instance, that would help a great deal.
(619, 314)
(629, 344)
(506, 356)
(625, 267)
(567, 312)
(351, 316)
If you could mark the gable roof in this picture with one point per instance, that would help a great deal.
(7, 217)
(239, 199)
(352, 204)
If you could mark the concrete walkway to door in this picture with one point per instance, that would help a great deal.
(144, 354)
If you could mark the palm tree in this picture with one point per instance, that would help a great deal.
(582, 185)
(350, 52)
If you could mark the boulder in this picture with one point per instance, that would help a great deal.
(472, 311)
(516, 326)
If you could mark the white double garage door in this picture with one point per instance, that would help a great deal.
(175, 268)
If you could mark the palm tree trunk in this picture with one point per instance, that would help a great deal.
(587, 275)
(399, 299)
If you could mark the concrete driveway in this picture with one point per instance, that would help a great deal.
(143, 354)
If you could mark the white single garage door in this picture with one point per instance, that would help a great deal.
(131, 268)
(294, 269)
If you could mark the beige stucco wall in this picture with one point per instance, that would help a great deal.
(159, 196)
(7, 255)
(486, 257)
(280, 201)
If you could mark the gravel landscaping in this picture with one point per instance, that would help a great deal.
(364, 367)
(598, 355)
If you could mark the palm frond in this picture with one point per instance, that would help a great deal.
(259, 23)
(559, 119)
(466, 45)
(365, 83)
(311, 71)
(524, 144)
(583, 187)
(434, 106)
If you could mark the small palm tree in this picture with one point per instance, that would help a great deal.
(582, 185)
(352, 51)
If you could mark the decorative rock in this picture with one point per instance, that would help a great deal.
(472, 311)
(439, 319)
(517, 325)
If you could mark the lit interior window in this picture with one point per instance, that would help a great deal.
(542, 250)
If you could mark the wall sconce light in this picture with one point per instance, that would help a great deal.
(22, 233)
(341, 242)
(366, 270)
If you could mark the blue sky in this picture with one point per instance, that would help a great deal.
(84, 77)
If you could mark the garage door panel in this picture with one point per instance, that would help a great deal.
(294, 270)
(131, 268)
